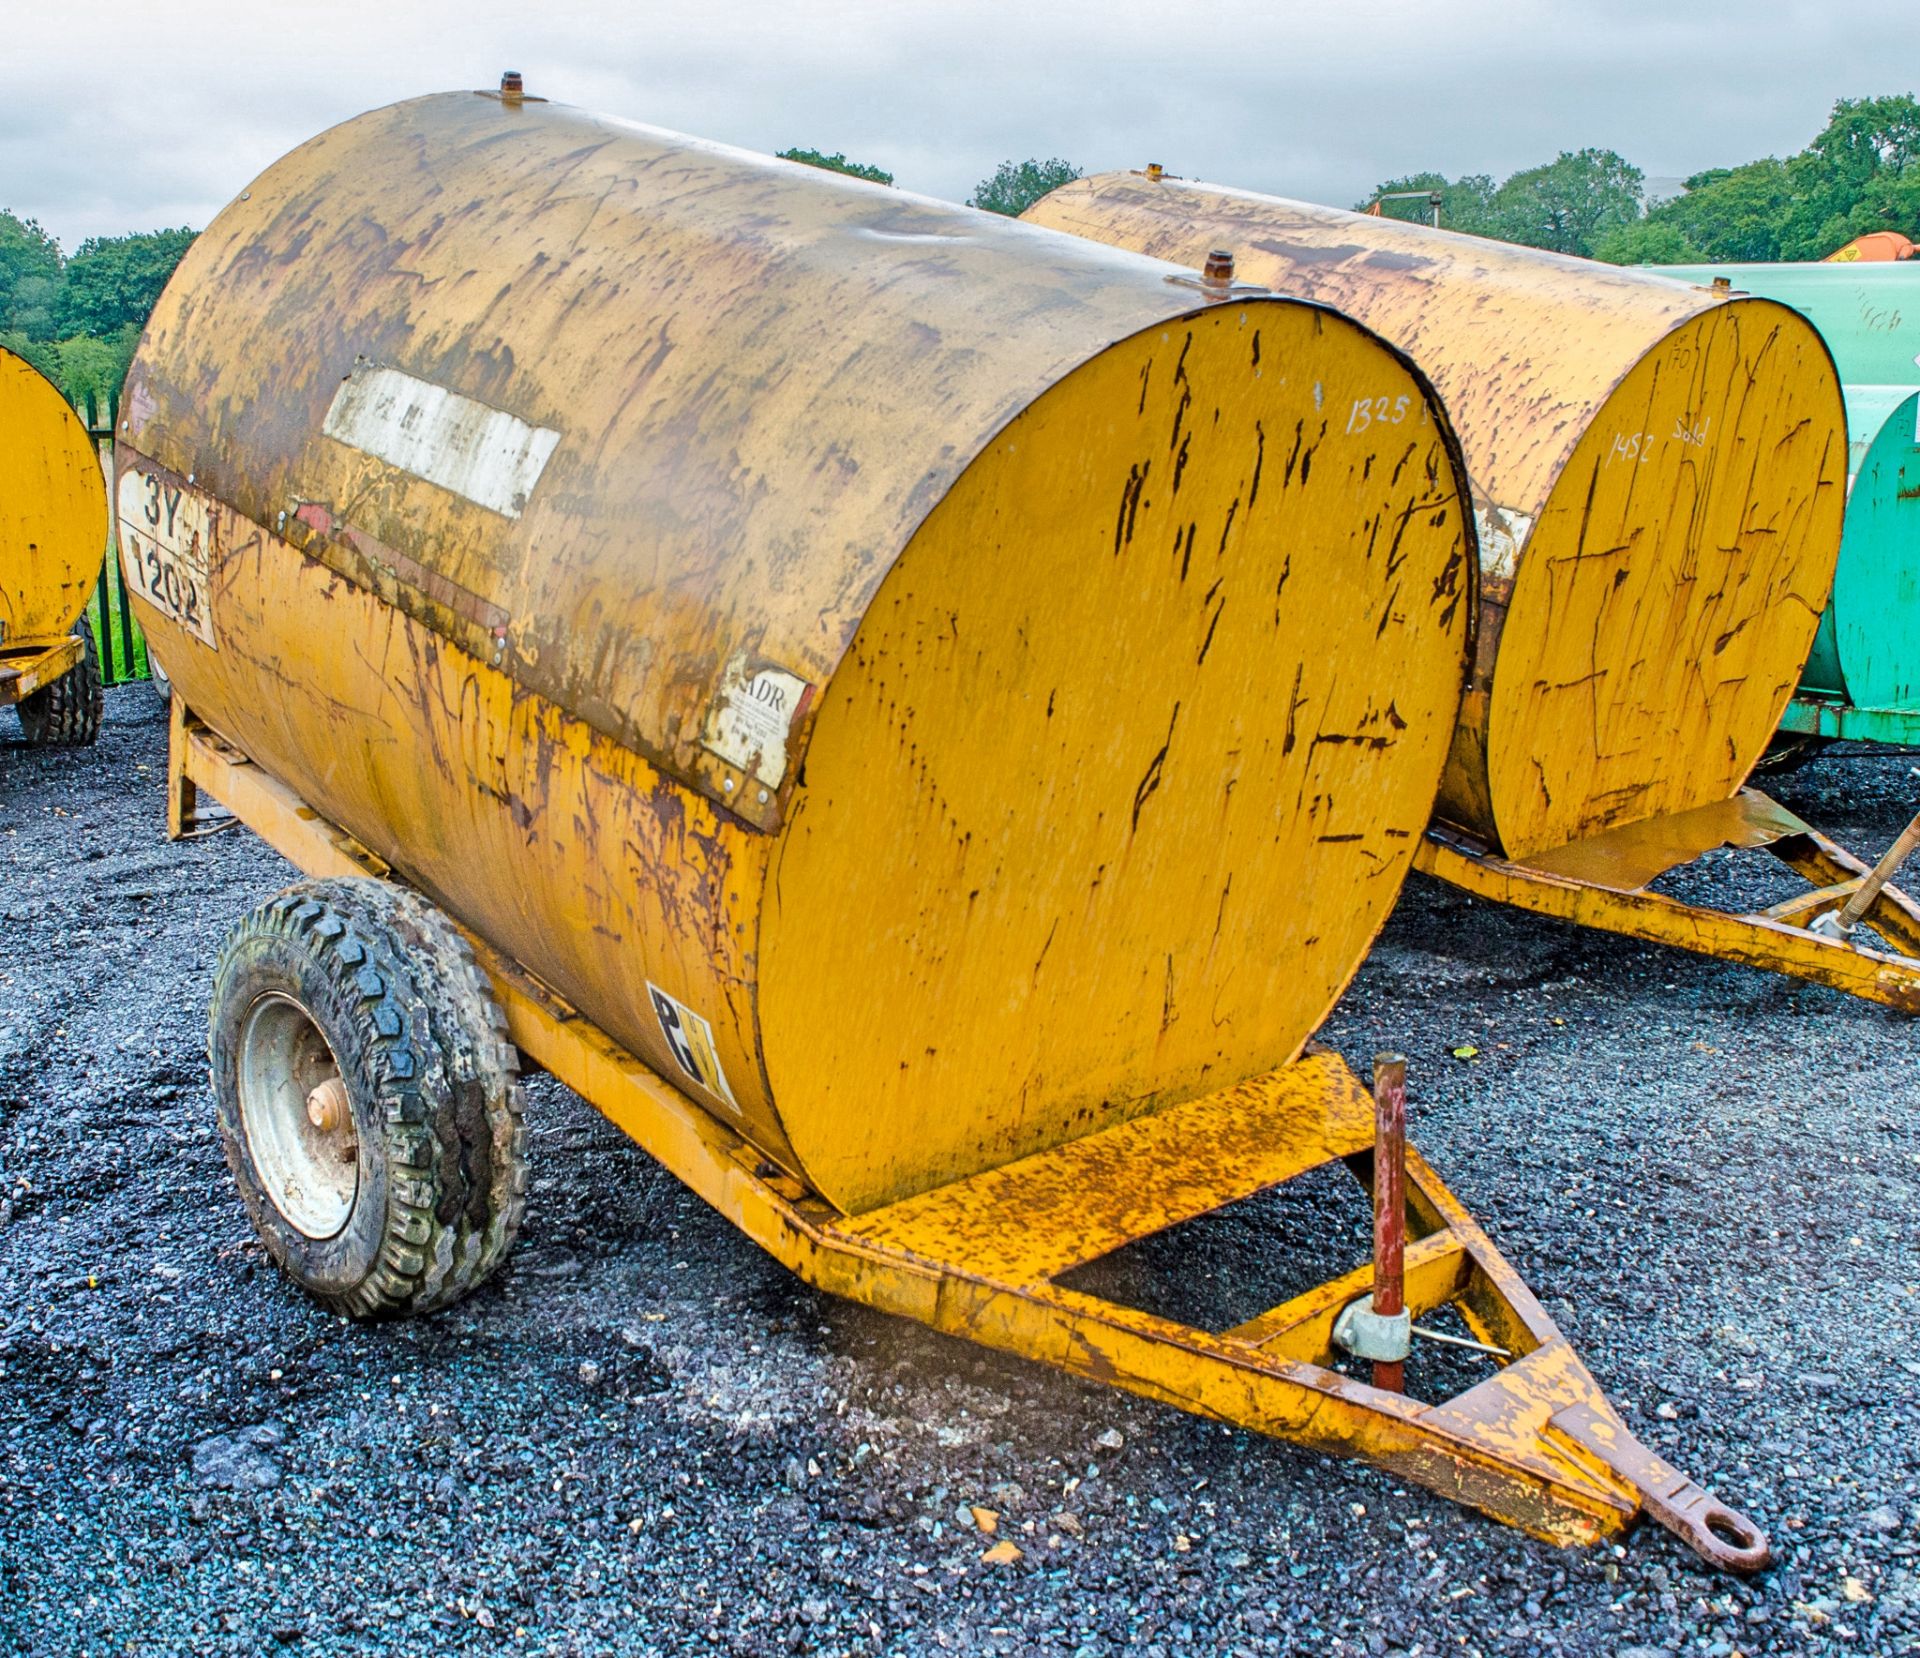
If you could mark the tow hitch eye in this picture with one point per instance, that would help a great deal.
(1715, 1532)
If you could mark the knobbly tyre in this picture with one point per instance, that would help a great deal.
(909, 715)
(53, 537)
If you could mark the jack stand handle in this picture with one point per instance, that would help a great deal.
(1389, 1204)
(1883, 872)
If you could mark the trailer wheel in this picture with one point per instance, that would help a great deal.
(366, 1097)
(487, 1125)
(67, 713)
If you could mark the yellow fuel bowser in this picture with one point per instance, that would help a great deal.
(53, 537)
(915, 717)
(1659, 475)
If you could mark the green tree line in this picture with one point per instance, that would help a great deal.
(837, 163)
(77, 318)
(1861, 173)
(1011, 188)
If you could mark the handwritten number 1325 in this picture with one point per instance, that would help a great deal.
(1377, 411)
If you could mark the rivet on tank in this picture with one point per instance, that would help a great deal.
(916, 717)
(1659, 476)
(53, 537)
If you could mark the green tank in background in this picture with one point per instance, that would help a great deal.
(1862, 679)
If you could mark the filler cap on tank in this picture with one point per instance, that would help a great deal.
(513, 90)
(1216, 281)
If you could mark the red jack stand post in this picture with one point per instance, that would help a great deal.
(1390, 1205)
(1378, 1326)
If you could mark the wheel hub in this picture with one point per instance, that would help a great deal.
(297, 1116)
(327, 1105)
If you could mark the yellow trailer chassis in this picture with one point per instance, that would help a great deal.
(1603, 882)
(1535, 1444)
(29, 665)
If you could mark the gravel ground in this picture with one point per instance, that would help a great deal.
(644, 1436)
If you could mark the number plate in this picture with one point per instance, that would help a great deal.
(166, 538)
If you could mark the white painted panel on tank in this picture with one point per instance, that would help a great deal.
(484, 454)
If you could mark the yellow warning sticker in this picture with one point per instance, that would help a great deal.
(690, 1038)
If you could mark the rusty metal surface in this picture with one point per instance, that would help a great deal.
(53, 509)
(1390, 1204)
(1894, 913)
(1715, 1532)
(1867, 891)
(1818, 714)
(1048, 1213)
(806, 624)
(750, 386)
(1659, 476)
(1436, 1272)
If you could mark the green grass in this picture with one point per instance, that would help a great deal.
(123, 650)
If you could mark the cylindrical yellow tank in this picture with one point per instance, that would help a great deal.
(930, 686)
(1659, 477)
(53, 510)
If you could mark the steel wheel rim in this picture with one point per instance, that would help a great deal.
(306, 1154)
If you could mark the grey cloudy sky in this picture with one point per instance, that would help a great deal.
(123, 116)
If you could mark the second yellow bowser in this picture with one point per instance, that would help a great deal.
(53, 534)
(1659, 478)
